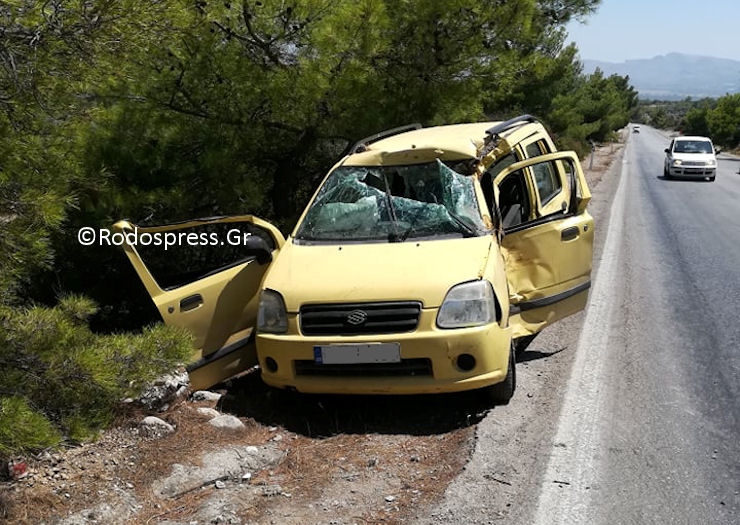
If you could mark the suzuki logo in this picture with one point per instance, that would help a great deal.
(356, 317)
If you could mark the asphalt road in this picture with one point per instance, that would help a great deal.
(630, 412)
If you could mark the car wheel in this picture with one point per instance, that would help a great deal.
(666, 175)
(521, 343)
(281, 396)
(501, 393)
(710, 179)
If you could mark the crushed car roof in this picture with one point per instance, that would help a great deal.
(453, 142)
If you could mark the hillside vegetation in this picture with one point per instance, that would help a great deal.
(715, 118)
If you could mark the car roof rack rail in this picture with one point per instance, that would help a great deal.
(508, 124)
(362, 144)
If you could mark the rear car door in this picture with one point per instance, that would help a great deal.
(205, 275)
(547, 249)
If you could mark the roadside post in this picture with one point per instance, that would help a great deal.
(593, 149)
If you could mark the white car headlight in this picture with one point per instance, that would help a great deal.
(676, 162)
(271, 317)
(468, 304)
(711, 162)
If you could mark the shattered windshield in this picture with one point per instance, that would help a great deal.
(393, 203)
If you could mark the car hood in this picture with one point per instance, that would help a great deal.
(421, 271)
(697, 157)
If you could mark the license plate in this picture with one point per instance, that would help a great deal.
(359, 353)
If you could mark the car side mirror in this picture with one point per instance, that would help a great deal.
(257, 247)
(717, 151)
(667, 150)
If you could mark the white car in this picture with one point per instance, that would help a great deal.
(691, 157)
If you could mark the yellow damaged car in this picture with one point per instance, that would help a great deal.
(420, 260)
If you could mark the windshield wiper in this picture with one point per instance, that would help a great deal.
(408, 231)
(467, 227)
(393, 236)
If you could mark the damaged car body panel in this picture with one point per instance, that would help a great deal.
(215, 299)
(548, 257)
(420, 258)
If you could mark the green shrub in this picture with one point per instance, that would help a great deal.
(22, 428)
(592, 111)
(724, 121)
(580, 146)
(58, 373)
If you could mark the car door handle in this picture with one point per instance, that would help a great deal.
(569, 234)
(189, 303)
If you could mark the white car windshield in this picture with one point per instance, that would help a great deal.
(693, 146)
(393, 203)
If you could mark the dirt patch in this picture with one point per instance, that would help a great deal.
(369, 479)
(345, 459)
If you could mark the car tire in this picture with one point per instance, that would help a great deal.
(501, 393)
(521, 343)
(710, 179)
(280, 396)
(666, 175)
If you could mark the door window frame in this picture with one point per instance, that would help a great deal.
(560, 214)
(545, 148)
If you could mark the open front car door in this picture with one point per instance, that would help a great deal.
(205, 275)
(548, 239)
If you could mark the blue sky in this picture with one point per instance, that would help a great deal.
(624, 29)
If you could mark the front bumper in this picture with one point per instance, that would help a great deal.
(489, 345)
(692, 171)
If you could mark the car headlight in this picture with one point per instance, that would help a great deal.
(711, 162)
(271, 317)
(468, 304)
(676, 162)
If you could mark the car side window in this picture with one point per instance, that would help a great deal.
(535, 149)
(489, 176)
(514, 200)
(547, 180)
(183, 263)
(545, 176)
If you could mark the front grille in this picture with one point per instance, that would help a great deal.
(693, 163)
(407, 367)
(360, 318)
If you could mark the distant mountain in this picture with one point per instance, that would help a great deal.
(676, 76)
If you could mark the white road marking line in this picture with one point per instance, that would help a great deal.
(572, 470)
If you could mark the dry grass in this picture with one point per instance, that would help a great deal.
(443, 459)
(111, 462)
(6, 505)
(192, 439)
(314, 471)
(22, 507)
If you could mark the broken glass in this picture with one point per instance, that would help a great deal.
(425, 200)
